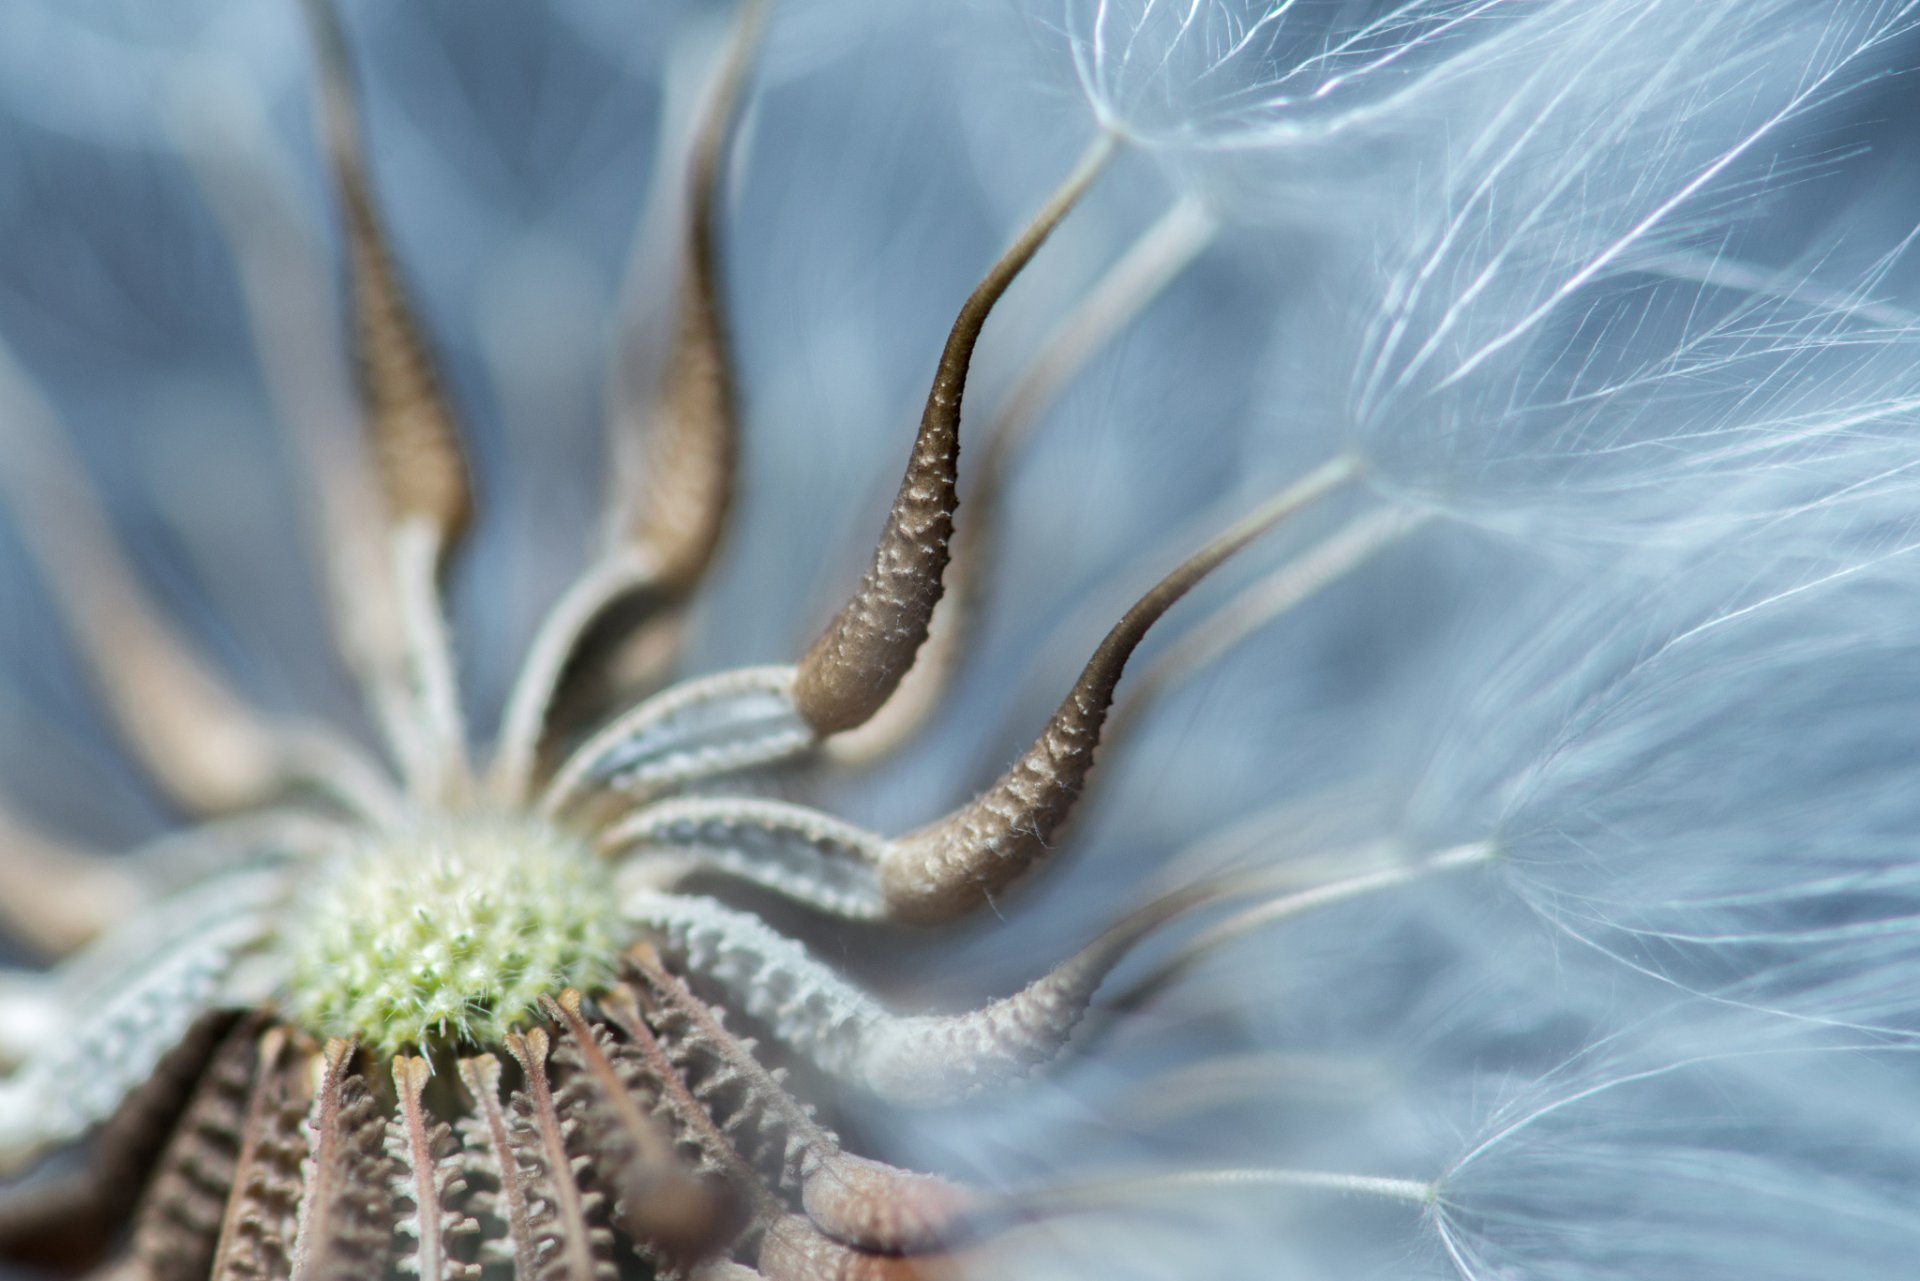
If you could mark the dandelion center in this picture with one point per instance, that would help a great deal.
(451, 932)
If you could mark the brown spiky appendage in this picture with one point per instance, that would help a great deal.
(178, 1227)
(675, 1215)
(675, 455)
(45, 1218)
(951, 866)
(416, 445)
(431, 1178)
(862, 1202)
(719, 1129)
(645, 1131)
(346, 1226)
(263, 1203)
(856, 665)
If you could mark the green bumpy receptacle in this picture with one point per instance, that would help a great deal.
(451, 933)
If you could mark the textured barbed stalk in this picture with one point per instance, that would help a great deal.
(416, 443)
(695, 1127)
(430, 1177)
(958, 863)
(292, 313)
(417, 454)
(561, 1215)
(953, 865)
(669, 509)
(177, 1232)
(860, 1201)
(262, 1207)
(933, 1058)
(692, 441)
(719, 1152)
(856, 665)
(345, 1227)
(696, 731)
(920, 1060)
(490, 1145)
(674, 1215)
(794, 850)
(1161, 253)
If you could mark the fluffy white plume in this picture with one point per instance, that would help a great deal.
(1245, 74)
(1721, 1153)
(1534, 354)
(1704, 778)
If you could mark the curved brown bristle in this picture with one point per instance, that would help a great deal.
(346, 1212)
(952, 865)
(489, 1140)
(416, 443)
(673, 1215)
(1132, 283)
(559, 1211)
(934, 1059)
(695, 1126)
(865, 1203)
(866, 650)
(417, 457)
(617, 628)
(692, 443)
(257, 1229)
(925, 1060)
(557, 1206)
(177, 1231)
(431, 1176)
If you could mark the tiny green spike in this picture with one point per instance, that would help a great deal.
(451, 933)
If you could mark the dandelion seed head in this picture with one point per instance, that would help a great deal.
(587, 949)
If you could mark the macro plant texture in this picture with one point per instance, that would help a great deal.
(998, 638)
